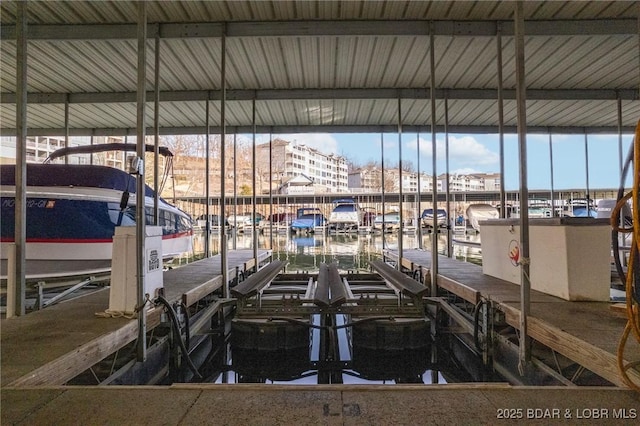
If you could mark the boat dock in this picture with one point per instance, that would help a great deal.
(33, 391)
(586, 333)
(51, 346)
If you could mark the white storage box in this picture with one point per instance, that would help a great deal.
(123, 293)
(570, 257)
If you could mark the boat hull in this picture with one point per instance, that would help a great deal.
(70, 228)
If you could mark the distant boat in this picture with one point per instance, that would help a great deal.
(346, 215)
(72, 211)
(308, 220)
(427, 217)
(581, 207)
(478, 212)
(387, 222)
(538, 209)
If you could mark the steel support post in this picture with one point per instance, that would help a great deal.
(18, 303)
(400, 194)
(434, 178)
(254, 228)
(66, 126)
(553, 194)
(140, 202)
(271, 192)
(235, 187)
(586, 169)
(382, 182)
(207, 189)
(419, 214)
(503, 198)
(156, 131)
(447, 177)
(521, 108)
(224, 262)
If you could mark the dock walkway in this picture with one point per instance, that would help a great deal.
(585, 332)
(53, 345)
(183, 404)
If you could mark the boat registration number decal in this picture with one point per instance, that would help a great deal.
(154, 260)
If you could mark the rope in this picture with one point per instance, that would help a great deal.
(632, 309)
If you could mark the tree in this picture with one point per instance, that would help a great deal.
(245, 190)
(407, 166)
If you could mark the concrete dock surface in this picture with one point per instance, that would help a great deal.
(221, 404)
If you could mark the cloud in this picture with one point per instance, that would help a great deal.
(465, 150)
(464, 171)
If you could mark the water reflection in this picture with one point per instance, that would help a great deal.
(352, 252)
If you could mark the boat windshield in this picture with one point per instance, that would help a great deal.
(345, 208)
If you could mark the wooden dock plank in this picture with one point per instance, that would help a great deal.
(586, 332)
(570, 342)
(55, 344)
(38, 338)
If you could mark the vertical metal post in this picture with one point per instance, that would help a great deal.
(271, 191)
(140, 199)
(235, 186)
(401, 229)
(586, 164)
(207, 189)
(447, 189)
(224, 263)
(620, 161)
(553, 195)
(91, 143)
(521, 107)
(419, 221)
(20, 230)
(503, 198)
(254, 228)
(66, 126)
(384, 211)
(434, 235)
(156, 130)
(124, 153)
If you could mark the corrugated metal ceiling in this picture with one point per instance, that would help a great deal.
(102, 12)
(595, 66)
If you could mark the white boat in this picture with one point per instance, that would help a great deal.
(71, 214)
(427, 217)
(538, 209)
(346, 215)
(478, 212)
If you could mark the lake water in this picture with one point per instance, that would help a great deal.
(352, 252)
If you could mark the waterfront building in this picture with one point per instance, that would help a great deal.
(328, 172)
(38, 148)
(369, 179)
(470, 182)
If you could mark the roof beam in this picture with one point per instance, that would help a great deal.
(302, 94)
(323, 28)
(291, 129)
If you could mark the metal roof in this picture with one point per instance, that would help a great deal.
(323, 65)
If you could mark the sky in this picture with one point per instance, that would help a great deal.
(481, 153)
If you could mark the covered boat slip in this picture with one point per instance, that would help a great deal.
(53, 345)
(585, 332)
